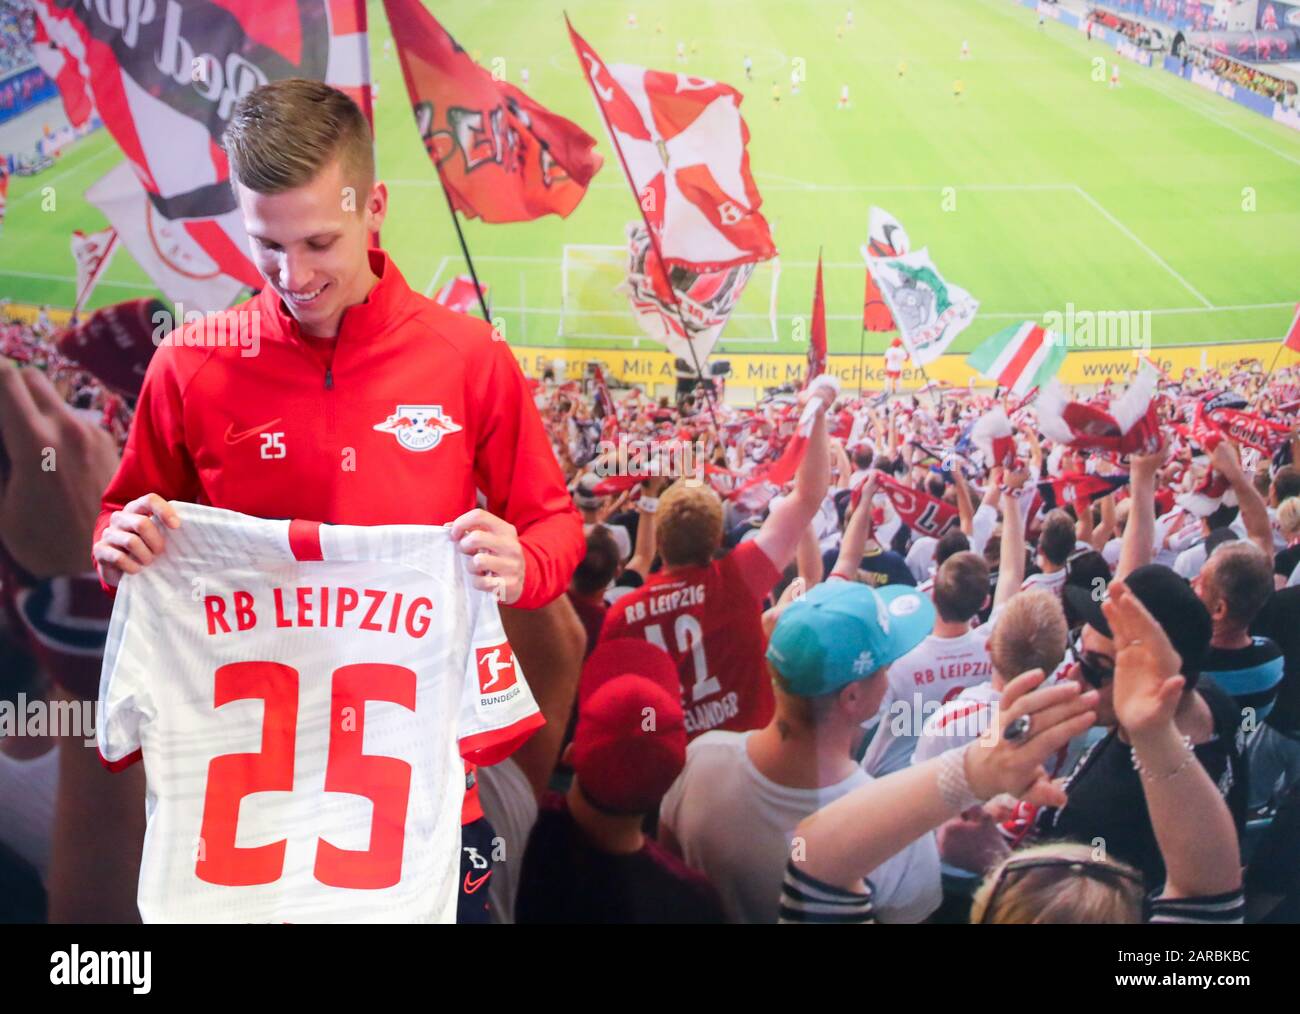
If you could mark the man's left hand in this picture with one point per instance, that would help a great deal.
(496, 556)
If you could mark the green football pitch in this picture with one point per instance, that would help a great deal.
(1037, 189)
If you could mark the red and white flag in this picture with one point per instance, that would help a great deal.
(502, 157)
(920, 511)
(93, 254)
(683, 142)
(886, 237)
(164, 78)
(168, 252)
(1128, 425)
(459, 295)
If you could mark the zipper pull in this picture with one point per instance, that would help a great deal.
(329, 378)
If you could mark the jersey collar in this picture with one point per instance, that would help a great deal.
(385, 304)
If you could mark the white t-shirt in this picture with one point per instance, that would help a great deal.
(1053, 582)
(737, 827)
(895, 357)
(935, 671)
(964, 718)
(303, 696)
(920, 558)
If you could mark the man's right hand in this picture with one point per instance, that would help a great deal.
(133, 539)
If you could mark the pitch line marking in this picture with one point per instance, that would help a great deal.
(436, 275)
(39, 276)
(1136, 239)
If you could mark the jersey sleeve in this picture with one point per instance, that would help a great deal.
(498, 711)
(755, 568)
(123, 696)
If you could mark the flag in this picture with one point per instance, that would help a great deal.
(682, 308)
(776, 474)
(993, 434)
(164, 78)
(886, 237)
(682, 143)
(1077, 488)
(1131, 425)
(500, 155)
(168, 252)
(115, 343)
(1019, 358)
(1292, 336)
(918, 510)
(817, 337)
(930, 312)
(92, 254)
(460, 295)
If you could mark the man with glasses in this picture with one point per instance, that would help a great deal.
(1105, 804)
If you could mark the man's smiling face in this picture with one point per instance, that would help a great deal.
(310, 244)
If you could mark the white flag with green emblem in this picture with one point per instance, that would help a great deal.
(1020, 358)
(929, 311)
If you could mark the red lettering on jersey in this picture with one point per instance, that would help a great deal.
(496, 668)
(376, 599)
(392, 616)
(348, 600)
(244, 615)
(324, 607)
(216, 609)
(304, 607)
(418, 625)
(280, 619)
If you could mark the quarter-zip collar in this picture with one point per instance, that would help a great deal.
(388, 303)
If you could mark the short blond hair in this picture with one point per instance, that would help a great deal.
(1288, 517)
(1063, 893)
(688, 525)
(1030, 633)
(282, 135)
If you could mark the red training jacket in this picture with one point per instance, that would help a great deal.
(419, 409)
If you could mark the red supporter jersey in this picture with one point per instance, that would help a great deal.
(709, 619)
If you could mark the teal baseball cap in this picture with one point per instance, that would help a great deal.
(843, 631)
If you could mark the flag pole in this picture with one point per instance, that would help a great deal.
(1295, 323)
(654, 243)
(464, 248)
(862, 345)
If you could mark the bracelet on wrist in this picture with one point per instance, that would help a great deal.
(1188, 756)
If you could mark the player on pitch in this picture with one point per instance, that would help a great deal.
(365, 403)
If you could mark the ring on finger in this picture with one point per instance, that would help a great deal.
(1018, 729)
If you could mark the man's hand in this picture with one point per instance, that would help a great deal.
(1227, 462)
(133, 539)
(1145, 466)
(59, 464)
(1148, 686)
(497, 558)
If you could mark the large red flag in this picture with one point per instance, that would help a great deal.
(164, 77)
(919, 510)
(817, 338)
(502, 157)
(683, 143)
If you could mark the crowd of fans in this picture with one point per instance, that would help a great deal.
(829, 659)
(17, 30)
(1245, 76)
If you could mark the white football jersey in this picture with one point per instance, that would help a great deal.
(303, 697)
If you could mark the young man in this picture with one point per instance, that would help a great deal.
(707, 613)
(732, 811)
(1055, 544)
(362, 402)
(365, 403)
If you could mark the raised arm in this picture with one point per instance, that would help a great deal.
(1193, 825)
(1011, 562)
(856, 533)
(847, 839)
(1138, 548)
(1254, 514)
(808, 557)
(780, 533)
(1103, 532)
